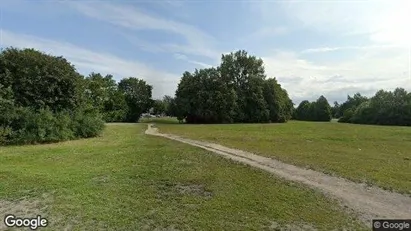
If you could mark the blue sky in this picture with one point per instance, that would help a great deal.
(330, 47)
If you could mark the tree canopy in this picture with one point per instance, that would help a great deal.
(43, 99)
(237, 91)
(384, 108)
(320, 110)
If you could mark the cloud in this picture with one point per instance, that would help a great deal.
(381, 61)
(382, 21)
(264, 33)
(87, 61)
(368, 72)
(185, 58)
(197, 42)
(142, 44)
(329, 49)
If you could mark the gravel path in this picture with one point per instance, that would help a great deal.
(368, 202)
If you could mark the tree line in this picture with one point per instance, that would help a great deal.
(319, 110)
(384, 108)
(236, 91)
(44, 99)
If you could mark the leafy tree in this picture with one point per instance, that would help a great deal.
(137, 95)
(202, 97)
(115, 108)
(39, 80)
(159, 107)
(303, 111)
(99, 89)
(170, 104)
(236, 91)
(43, 99)
(384, 108)
(335, 110)
(279, 104)
(104, 96)
(245, 74)
(322, 110)
(319, 110)
(352, 103)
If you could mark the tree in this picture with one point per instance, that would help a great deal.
(351, 104)
(43, 99)
(322, 110)
(39, 80)
(335, 110)
(384, 108)
(236, 91)
(170, 105)
(319, 110)
(99, 89)
(245, 74)
(202, 97)
(159, 107)
(303, 111)
(104, 95)
(137, 95)
(115, 108)
(279, 104)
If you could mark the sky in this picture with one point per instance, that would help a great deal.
(331, 48)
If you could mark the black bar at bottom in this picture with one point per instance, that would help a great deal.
(391, 225)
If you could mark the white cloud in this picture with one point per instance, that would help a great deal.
(180, 56)
(197, 42)
(87, 61)
(383, 21)
(367, 73)
(381, 63)
(329, 49)
(264, 33)
(185, 58)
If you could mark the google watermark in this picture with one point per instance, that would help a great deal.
(13, 221)
(384, 225)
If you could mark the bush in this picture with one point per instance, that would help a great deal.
(5, 131)
(38, 126)
(42, 100)
(347, 115)
(87, 124)
(115, 116)
(43, 126)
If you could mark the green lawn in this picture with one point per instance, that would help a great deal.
(126, 180)
(378, 155)
(162, 120)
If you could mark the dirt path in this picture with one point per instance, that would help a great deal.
(368, 202)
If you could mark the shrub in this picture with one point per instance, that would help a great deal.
(87, 124)
(42, 99)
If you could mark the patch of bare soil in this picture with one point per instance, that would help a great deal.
(366, 201)
(24, 207)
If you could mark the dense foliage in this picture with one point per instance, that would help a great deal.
(137, 94)
(237, 91)
(122, 102)
(44, 99)
(319, 110)
(384, 108)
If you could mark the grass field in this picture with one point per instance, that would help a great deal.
(378, 155)
(126, 180)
